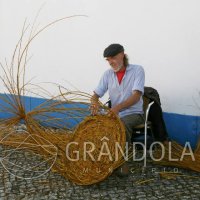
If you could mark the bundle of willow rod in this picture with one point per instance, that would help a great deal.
(178, 156)
(97, 132)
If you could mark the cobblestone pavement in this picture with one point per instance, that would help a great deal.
(139, 185)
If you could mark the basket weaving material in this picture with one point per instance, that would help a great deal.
(188, 160)
(98, 134)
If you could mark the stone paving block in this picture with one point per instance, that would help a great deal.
(54, 186)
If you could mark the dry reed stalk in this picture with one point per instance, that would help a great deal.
(45, 141)
(169, 175)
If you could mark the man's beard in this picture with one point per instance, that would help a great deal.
(118, 68)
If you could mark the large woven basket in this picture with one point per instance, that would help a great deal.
(99, 135)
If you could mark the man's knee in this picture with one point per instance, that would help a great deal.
(132, 120)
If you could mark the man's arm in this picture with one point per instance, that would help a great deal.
(133, 99)
(99, 92)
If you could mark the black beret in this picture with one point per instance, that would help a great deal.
(113, 50)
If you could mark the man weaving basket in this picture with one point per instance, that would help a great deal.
(125, 85)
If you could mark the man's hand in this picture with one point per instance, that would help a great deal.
(94, 107)
(115, 109)
(131, 100)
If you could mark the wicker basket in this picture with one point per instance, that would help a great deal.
(98, 135)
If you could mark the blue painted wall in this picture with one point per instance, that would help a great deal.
(67, 119)
(181, 128)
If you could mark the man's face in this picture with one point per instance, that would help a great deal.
(116, 62)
